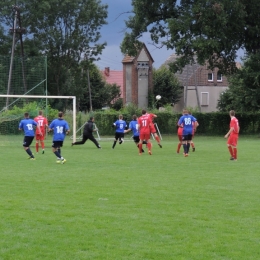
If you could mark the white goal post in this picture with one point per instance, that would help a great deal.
(56, 97)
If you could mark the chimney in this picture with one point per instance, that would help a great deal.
(107, 70)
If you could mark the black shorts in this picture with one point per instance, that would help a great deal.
(57, 144)
(187, 137)
(27, 141)
(119, 135)
(136, 139)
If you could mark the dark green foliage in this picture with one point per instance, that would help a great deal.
(167, 86)
(212, 30)
(243, 94)
(214, 123)
(68, 33)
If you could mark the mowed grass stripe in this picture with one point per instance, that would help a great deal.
(115, 204)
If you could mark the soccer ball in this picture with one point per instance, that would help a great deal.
(158, 97)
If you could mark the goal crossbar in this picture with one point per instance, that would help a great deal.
(49, 97)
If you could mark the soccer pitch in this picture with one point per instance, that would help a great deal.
(114, 204)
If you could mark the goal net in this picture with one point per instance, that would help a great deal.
(11, 116)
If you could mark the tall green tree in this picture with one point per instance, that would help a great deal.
(243, 94)
(102, 94)
(167, 86)
(66, 31)
(213, 30)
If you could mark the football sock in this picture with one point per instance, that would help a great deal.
(235, 152)
(29, 152)
(157, 139)
(230, 151)
(37, 147)
(57, 154)
(114, 144)
(149, 145)
(192, 145)
(140, 148)
(59, 151)
(178, 148)
(188, 147)
(42, 145)
(185, 148)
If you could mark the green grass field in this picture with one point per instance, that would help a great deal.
(115, 204)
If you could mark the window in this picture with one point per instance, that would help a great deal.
(219, 76)
(210, 76)
(204, 98)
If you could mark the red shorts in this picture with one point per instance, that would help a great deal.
(39, 137)
(232, 140)
(144, 136)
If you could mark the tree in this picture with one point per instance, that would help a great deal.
(243, 94)
(213, 30)
(102, 94)
(66, 31)
(167, 86)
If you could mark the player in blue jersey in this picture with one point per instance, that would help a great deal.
(28, 125)
(133, 126)
(188, 123)
(60, 128)
(120, 126)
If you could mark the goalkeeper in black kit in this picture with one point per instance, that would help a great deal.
(88, 134)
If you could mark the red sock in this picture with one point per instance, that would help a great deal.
(149, 145)
(192, 145)
(140, 148)
(230, 151)
(235, 152)
(179, 147)
(42, 144)
(157, 139)
(37, 147)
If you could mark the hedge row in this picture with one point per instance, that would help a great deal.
(214, 123)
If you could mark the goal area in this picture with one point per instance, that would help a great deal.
(19, 104)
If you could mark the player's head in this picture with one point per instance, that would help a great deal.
(134, 117)
(185, 111)
(91, 118)
(120, 116)
(143, 112)
(60, 114)
(26, 114)
(232, 113)
(40, 112)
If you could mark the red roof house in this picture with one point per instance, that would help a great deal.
(114, 77)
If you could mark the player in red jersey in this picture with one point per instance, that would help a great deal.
(232, 135)
(40, 136)
(153, 130)
(179, 133)
(144, 124)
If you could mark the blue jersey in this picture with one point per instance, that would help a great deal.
(120, 126)
(134, 127)
(187, 122)
(27, 126)
(59, 126)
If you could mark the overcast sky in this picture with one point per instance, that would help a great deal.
(113, 34)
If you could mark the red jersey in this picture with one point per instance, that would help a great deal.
(42, 121)
(144, 123)
(234, 123)
(152, 116)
